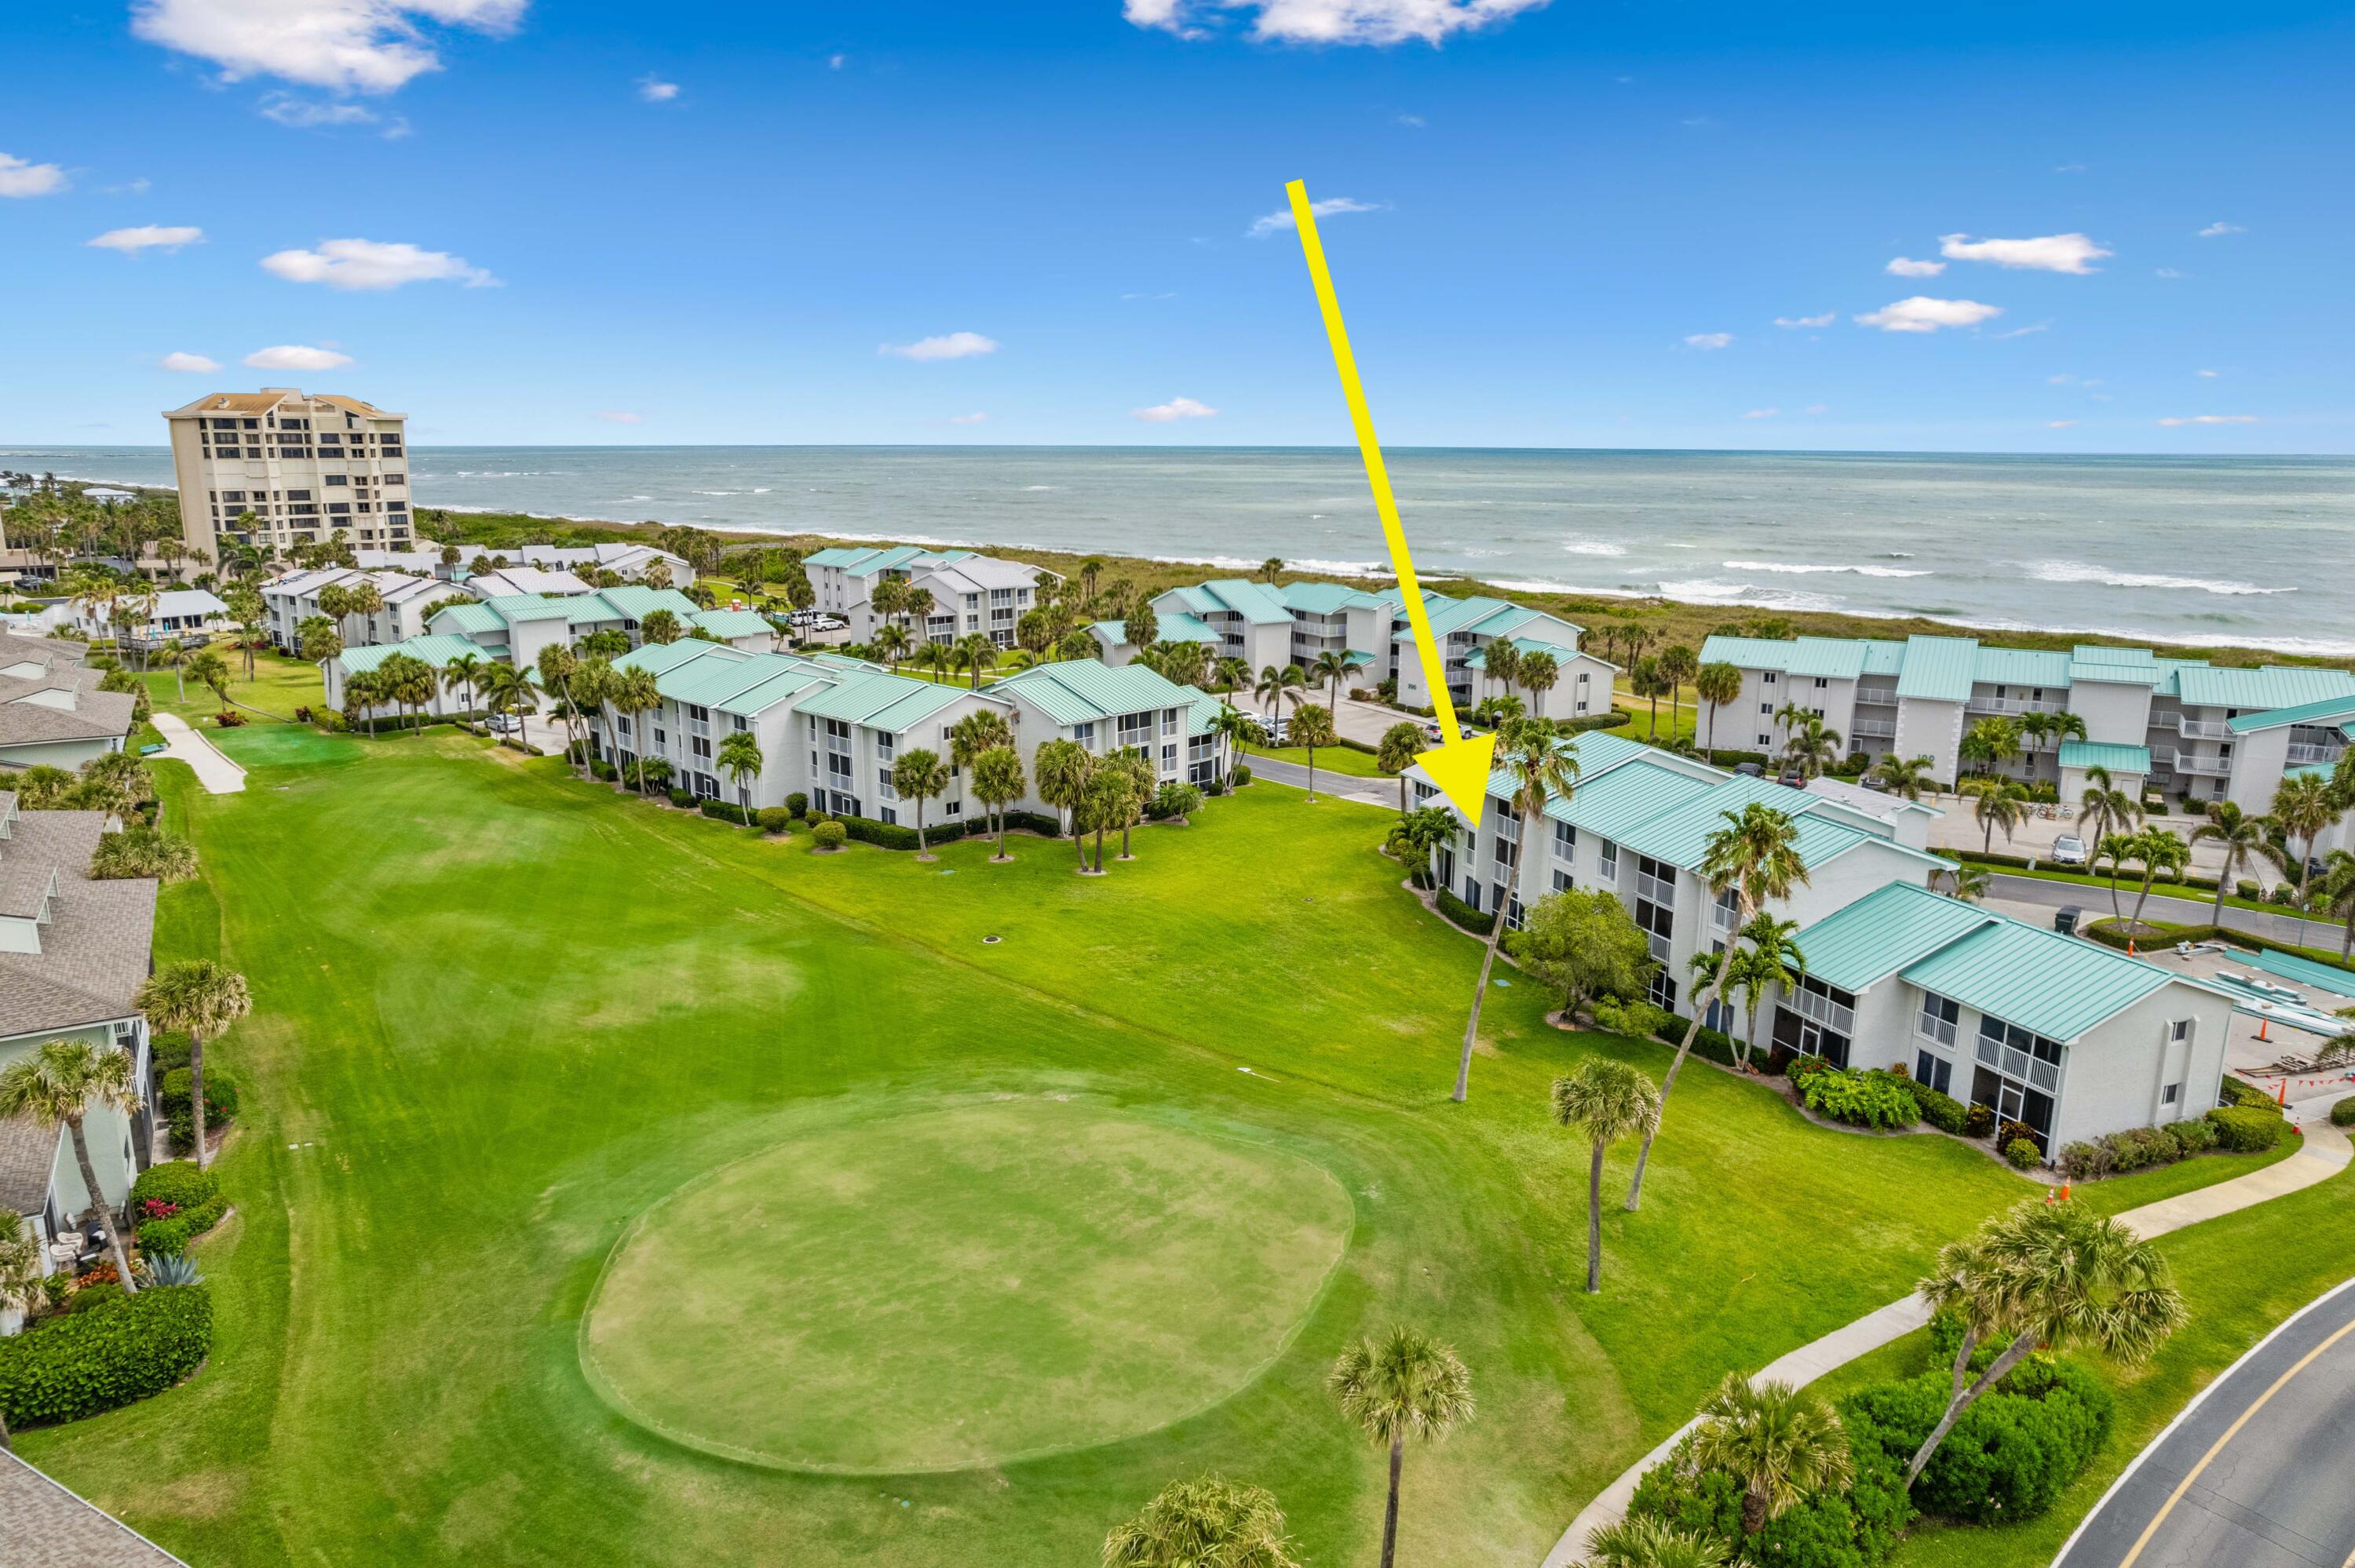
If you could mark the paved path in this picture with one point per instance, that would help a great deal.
(2326, 1153)
(2253, 1473)
(2095, 901)
(214, 771)
(1338, 786)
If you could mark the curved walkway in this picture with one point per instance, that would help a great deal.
(2326, 1153)
(214, 771)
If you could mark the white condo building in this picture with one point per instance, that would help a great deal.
(971, 593)
(302, 466)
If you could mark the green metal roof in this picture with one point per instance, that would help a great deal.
(1187, 629)
(1255, 602)
(2116, 758)
(1938, 669)
(1083, 691)
(1203, 712)
(636, 601)
(2109, 653)
(2115, 674)
(1324, 599)
(662, 657)
(1884, 931)
(914, 708)
(860, 696)
(769, 692)
(2327, 713)
(1620, 801)
(2020, 667)
(1835, 658)
(512, 607)
(2055, 986)
(734, 622)
(436, 649)
(2274, 686)
(2322, 977)
(469, 618)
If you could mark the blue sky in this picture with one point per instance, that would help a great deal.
(522, 221)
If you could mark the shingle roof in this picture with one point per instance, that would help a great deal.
(28, 1157)
(2110, 754)
(95, 948)
(94, 715)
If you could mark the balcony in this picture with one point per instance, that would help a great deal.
(2301, 753)
(2014, 1063)
(1823, 1010)
(1876, 696)
(2206, 767)
(1873, 729)
(1991, 704)
(1660, 890)
(2197, 729)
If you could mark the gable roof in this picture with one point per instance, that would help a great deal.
(1085, 691)
(2116, 757)
(2044, 983)
(734, 623)
(436, 649)
(1884, 931)
(2325, 713)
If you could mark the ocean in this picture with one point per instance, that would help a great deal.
(2253, 552)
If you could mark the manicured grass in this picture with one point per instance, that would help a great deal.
(502, 1014)
(1329, 760)
(950, 1286)
(281, 684)
(1675, 724)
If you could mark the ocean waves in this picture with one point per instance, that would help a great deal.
(2077, 572)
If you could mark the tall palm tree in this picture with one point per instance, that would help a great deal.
(2046, 1275)
(1502, 660)
(1607, 1100)
(1540, 673)
(591, 688)
(509, 689)
(1185, 662)
(1903, 775)
(1330, 669)
(2158, 851)
(2305, 805)
(1991, 742)
(996, 784)
(1780, 1443)
(1271, 568)
(940, 658)
(1644, 1542)
(1401, 744)
(1206, 1523)
(1813, 747)
(915, 609)
(918, 775)
(1312, 726)
(2002, 803)
(1142, 627)
(1060, 770)
(984, 729)
(740, 758)
(1790, 717)
(977, 653)
(1138, 770)
(1237, 730)
(1755, 856)
(1229, 674)
(1108, 801)
(459, 674)
(891, 641)
(1678, 665)
(59, 1083)
(1769, 959)
(1275, 684)
(558, 666)
(1537, 770)
(635, 693)
(2242, 838)
(661, 627)
(1717, 684)
(1647, 681)
(365, 600)
(1966, 881)
(1405, 1385)
(203, 998)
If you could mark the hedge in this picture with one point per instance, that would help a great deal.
(1870, 1098)
(2160, 885)
(1463, 914)
(1853, 1528)
(2246, 1130)
(76, 1364)
(1942, 1111)
(195, 1192)
(2105, 932)
(2138, 1149)
(726, 811)
(2012, 1454)
(1714, 1044)
(1617, 718)
(2343, 1113)
(178, 1107)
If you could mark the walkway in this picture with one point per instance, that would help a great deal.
(214, 771)
(1336, 785)
(2326, 1153)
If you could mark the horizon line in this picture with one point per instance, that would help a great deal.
(1340, 449)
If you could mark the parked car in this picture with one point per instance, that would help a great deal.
(2069, 850)
(1274, 725)
(1749, 769)
(1433, 734)
(504, 724)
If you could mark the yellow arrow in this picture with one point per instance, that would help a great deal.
(1459, 764)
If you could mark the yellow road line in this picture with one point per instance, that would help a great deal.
(2230, 1433)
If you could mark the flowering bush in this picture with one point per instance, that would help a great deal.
(97, 1274)
(157, 1209)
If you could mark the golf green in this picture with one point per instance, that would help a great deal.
(957, 1285)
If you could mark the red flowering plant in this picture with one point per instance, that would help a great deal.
(97, 1274)
(157, 1209)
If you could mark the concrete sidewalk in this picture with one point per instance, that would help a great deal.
(1330, 786)
(2326, 1153)
(213, 768)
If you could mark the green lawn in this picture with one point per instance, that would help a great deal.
(1329, 760)
(507, 1021)
(281, 683)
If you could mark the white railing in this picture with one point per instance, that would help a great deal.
(1823, 1010)
(1876, 696)
(1658, 945)
(2302, 752)
(2201, 729)
(2213, 767)
(1980, 705)
(1659, 889)
(1874, 729)
(2014, 1063)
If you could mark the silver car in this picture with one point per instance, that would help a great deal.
(2068, 850)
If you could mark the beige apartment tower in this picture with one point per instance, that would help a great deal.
(276, 468)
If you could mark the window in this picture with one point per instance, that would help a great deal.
(1821, 684)
(2179, 1030)
(2171, 1095)
(1766, 708)
(1939, 1018)
(1610, 861)
(1561, 882)
(1933, 1072)
(1767, 679)
(1766, 740)
(1664, 989)
(1565, 841)
(335, 478)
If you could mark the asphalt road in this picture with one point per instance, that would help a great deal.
(2095, 901)
(2253, 1473)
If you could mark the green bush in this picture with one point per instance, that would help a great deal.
(1978, 1122)
(2246, 887)
(69, 1367)
(171, 1236)
(886, 835)
(1046, 827)
(1872, 1099)
(604, 771)
(797, 803)
(829, 834)
(775, 818)
(1854, 1528)
(1241, 774)
(2012, 1452)
(2022, 1154)
(175, 1182)
(1942, 1111)
(724, 810)
(682, 799)
(2241, 1094)
(1463, 914)
(1634, 1019)
(2246, 1130)
(220, 1094)
(2343, 1113)
(1617, 718)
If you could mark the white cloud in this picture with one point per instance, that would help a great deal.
(949, 345)
(836, 62)
(2068, 168)
(20, 178)
(1906, 267)
(1761, 413)
(1176, 408)
(653, 90)
(2026, 331)
(2047, 253)
(1822, 320)
(305, 115)
(2212, 419)
(2210, 374)
(358, 264)
(1921, 313)
(2168, 272)
(1816, 408)
(1415, 121)
(137, 187)
(2059, 424)
(1330, 21)
(188, 364)
(967, 419)
(1708, 340)
(1275, 222)
(147, 237)
(620, 417)
(296, 356)
(2065, 380)
(349, 45)
(2220, 228)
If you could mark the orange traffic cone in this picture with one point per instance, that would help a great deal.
(2261, 1021)
(2281, 1093)
(2064, 1188)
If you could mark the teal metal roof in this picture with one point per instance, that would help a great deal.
(2328, 714)
(1083, 691)
(915, 706)
(436, 651)
(512, 607)
(1835, 658)
(662, 657)
(1938, 669)
(1621, 799)
(636, 601)
(1324, 599)
(2116, 674)
(2322, 977)
(1884, 931)
(1255, 602)
(866, 562)
(2056, 986)
(1198, 601)
(860, 696)
(2274, 686)
(469, 618)
(2104, 754)
(1203, 712)
(2109, 653)
(734, 622)
(769, 692)
(2020, 667)
(1187, 629)
(1681, 834)
(836, 556)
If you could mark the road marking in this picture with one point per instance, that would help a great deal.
(2230, 1433)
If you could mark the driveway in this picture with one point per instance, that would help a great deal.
(2033, 838)
(213, 768)
(2253, 1474)
(1382, 793)
(2282, 928)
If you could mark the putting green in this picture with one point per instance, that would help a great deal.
(959, 1286)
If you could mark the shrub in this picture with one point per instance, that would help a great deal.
(1862, 1099)
(2197, 1136)
(1634, 1018)
(2246, 887)
(1942, 1111)
(175, 1182)
(775, 818)
(1978, 1122)
(1241, 774)
(1854, 1528)
(603, 771)
(887, 835)
(1463, 914)
(829, 834)
(170, 1237)
(108, 1355)
(2246, 1129)
(682, 799)
(2343, 1113)
(2011, 1453)
(797, 804)
(2242, 1094)
(2022, 1154)
(724, 810)
(1033, 822)
(2083, 1161)
(220, 1094)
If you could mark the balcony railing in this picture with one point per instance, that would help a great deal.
(2209, 766)
(2201, 729)
(1823, 1010)
(2302, 752)
(1876, 696)
(1658, 945)
(1660, 890)
(2014, 1063)
(1991, 704)
(1873, 729)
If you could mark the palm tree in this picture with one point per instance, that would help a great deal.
(1206, 1523)
(915, 608)
(1903, 775)
(660, 628)
(1790, 717)
(1312, 726)
(1540, 672)
(1275, 684)
(558, 667)
(1607, 1100)
(1771, 959)
(2242, 837)
(892, 641)
(2052, 1275)
(1229, 674)
(2158, 851)
(920, 775)
(1717, 684)
(1502, 660)
(2104, 806)
(1238, 729)
(2002, 803)
(1403, 1384)
(203, 998)
(940, 658)
(2337, 894)
(884, 599)
(1755, 856)
(1108, 801)
(2305, 805)
(1184, 661)
(1142, 626)
(459, 674)
(364, 597)
(1330, 669)
(509, 689)
(1401, 744)
(1779, 1443)
(1645, 1542)
(636, 693)
(740, 758)
(212, 671)
(1271, 568)
(1990, 742)
(1138, 770)
(1678, 665)
(1061, 770)
(1538, 771)
(1814, 746)
(2117, 849)
(58, 1084)
(1966, 882)
(998, 783)
(977, 653)
(1647, 681)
